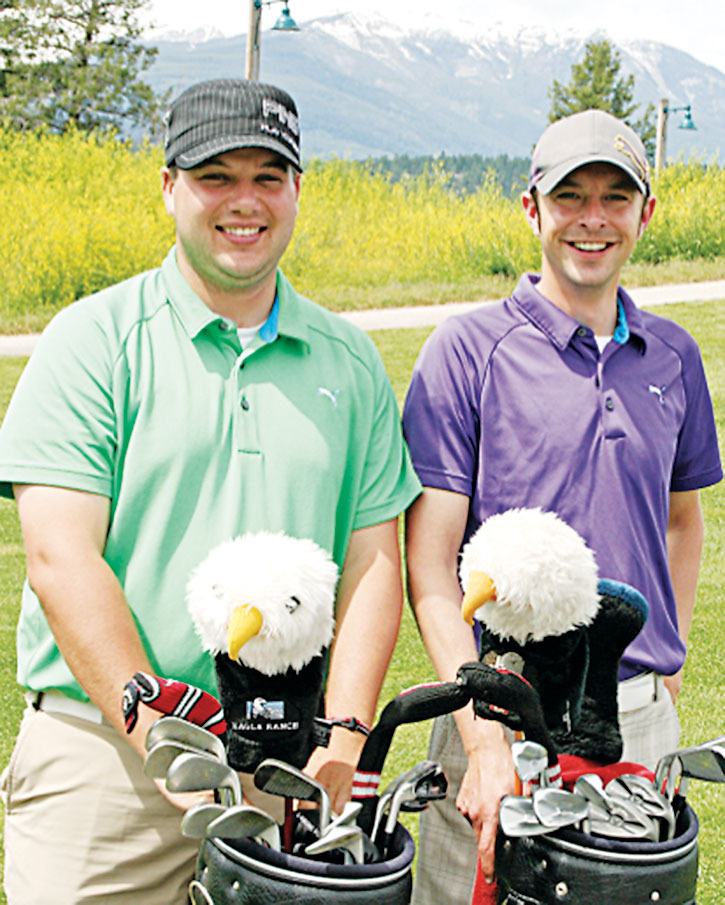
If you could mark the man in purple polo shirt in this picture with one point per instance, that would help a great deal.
(568, 397)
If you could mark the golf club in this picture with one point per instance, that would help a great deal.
(621, 820)
(349, 838)
(517, 818)
(638, 789)
(173, 728)
(245, 822)
(427, 771)
(420, 702)
(278, 778)
(162, 754)
(196, 819)
(431, 787)
(406, 791)
(705, 761)
(509, 699)
(556, 807)
(530, 760)
(191, 772)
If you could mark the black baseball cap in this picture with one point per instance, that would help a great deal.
(221, 115)
(592, 136)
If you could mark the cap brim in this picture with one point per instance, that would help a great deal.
(221, 145)
(550, 180)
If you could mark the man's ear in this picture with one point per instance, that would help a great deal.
(531, 210)
(167, 189)
(648, 209)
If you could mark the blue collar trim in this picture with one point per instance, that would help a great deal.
(269, 331)
(621, 331)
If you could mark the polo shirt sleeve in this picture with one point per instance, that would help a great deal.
(441, 418)
(60, 428)
(388, 483)
(697, 459)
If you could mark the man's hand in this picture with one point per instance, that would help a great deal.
(184, 800)
(490, 776)
(673, 684)
(335, 765)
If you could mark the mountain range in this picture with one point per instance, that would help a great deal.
(366, 87)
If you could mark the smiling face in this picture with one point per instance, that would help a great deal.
(234, 216)
(588, 225)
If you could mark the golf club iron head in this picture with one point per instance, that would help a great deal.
(431, 787)
(639, 790)
(705, 761)
(621, 820)
(196, 772)
(517, 818)
(196, 820)
(162, 754)
(278, 778)
(246, 822)
(173, 728)
(556, 807)
(530, 759)
(346, 837)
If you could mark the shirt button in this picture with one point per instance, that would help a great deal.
(244, 404)
(582, 331)
(609, 404)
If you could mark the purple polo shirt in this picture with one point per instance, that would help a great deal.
(512, 405)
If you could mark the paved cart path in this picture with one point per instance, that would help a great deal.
(431, 315)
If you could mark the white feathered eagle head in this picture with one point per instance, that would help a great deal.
(527, 575)
(265, 599)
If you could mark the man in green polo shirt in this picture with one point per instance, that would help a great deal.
(156, 419)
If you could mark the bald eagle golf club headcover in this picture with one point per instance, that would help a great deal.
(269, 716)
(263, 605)
(622, 613)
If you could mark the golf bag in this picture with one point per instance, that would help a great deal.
(581, 869)
(242, 872)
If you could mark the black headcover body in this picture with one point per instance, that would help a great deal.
(596, 734)
(269, 716)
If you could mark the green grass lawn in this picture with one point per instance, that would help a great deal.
(701, 704)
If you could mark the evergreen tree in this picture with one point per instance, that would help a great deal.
(74, 63)
(597, 83)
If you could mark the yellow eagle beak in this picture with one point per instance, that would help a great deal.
(481, 589)
(244, 623)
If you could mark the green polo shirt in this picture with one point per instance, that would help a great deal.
(142, 394)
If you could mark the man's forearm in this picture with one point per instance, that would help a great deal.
(369, 609)
(94, 630)
(685, 536)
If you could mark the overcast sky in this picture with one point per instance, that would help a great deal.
(697, 26)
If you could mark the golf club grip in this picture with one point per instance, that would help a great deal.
(421, 702)
(509, 691)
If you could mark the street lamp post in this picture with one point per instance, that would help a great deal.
(285, 22)
(661, 142)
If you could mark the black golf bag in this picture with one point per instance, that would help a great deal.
(242, 872)
(580, 869)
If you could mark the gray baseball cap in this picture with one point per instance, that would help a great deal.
(589, 137)
(221, 115)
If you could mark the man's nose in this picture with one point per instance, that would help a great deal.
(593, 213)
(243, 196)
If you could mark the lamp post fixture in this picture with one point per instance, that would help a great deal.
(662, 114)
(285, 22)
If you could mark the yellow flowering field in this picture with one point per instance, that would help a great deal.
(78, 213)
